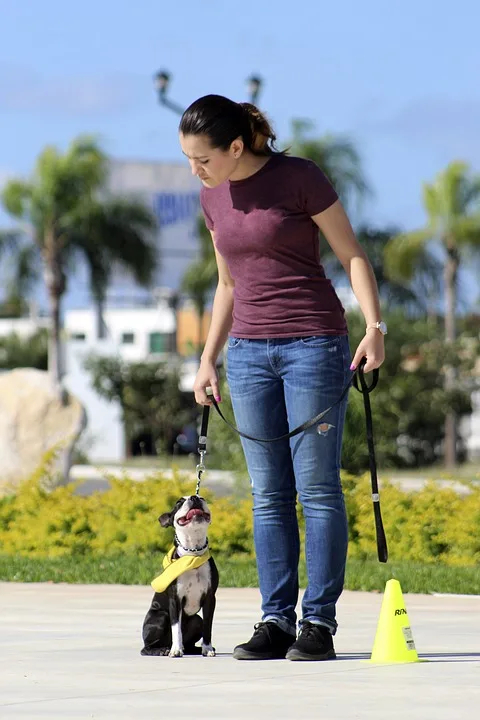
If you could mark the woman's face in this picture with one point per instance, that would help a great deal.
(212, 165)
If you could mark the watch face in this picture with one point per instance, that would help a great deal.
(383, 328)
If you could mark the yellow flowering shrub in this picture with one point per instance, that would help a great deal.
(433, 524)
(430, 525)
(39, 522)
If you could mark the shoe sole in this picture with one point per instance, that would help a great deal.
(297, 655)
(241, 654)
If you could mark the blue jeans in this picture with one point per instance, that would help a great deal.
(276, 385)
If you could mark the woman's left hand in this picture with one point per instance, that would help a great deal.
(372, 347)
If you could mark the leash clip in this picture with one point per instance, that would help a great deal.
(200, 470)
(202, 448)
(201, 465)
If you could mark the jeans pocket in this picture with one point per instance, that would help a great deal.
(234, 342)
(320, 341)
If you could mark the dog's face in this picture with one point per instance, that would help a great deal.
(190, 518)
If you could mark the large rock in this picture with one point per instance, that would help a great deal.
(33, 420)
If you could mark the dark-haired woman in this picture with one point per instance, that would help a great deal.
(288, 357)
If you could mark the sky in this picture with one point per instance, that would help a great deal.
(400, 79)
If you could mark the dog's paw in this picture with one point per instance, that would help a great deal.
(155, 651)
(208, 651)
(176, 652)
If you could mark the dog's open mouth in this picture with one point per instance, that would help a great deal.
(193, 514)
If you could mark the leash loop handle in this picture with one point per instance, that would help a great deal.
(361, 374)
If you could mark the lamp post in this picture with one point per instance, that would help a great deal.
(162, 83)
(254, 84)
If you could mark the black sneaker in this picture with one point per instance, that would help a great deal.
(314, 643)
(268, 642)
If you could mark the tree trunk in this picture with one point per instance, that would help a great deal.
(451, 273)
(100, 322)
(174, 304)
(54, 345)
(56, 283)
(127, 442)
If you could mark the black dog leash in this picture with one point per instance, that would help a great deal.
(382, 549)
(365, 389)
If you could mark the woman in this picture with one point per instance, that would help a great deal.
(287, 360)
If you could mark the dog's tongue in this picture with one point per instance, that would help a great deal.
(194, 511)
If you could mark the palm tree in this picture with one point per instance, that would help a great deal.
(452, 204)
(68, 215)
(20, 273)
(200, 278)
(416, 296)
(336, 156)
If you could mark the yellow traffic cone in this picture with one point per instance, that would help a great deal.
(394, 640)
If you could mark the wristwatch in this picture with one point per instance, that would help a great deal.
(379, 326)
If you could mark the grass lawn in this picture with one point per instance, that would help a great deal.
(240, 572)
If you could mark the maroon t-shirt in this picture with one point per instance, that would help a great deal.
(263, 229)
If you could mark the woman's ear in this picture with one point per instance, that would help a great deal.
(236, 148)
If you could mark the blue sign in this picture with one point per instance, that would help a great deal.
(172, 208)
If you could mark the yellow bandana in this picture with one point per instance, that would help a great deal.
(172, 569)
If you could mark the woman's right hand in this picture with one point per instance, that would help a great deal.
(207, 376)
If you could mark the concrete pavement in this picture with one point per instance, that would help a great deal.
(92, 478)
(72, 651)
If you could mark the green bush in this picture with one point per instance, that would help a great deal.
(432, 525)
(19, 352)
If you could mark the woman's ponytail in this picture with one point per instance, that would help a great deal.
(263, 137)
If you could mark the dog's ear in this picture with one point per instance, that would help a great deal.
(166, 520)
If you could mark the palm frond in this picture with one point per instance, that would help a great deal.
(86, 160)
(116, 231)
(403, 252)
(9, 241)
(100, 268)
(65, 181)
(26, 268)
(432, 206)
(207, 252)
(467, 231)
(198, 282)
(453, 196)
(201, 276)
(16, 198)
(471, 194)
(336, 156)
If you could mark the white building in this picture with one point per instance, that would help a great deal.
(136, 334)
(173, 193)
(23, 327)
(132, 334)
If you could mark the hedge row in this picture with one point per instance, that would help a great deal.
(431, 525)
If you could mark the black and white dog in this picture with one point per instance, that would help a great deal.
(172, 625)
